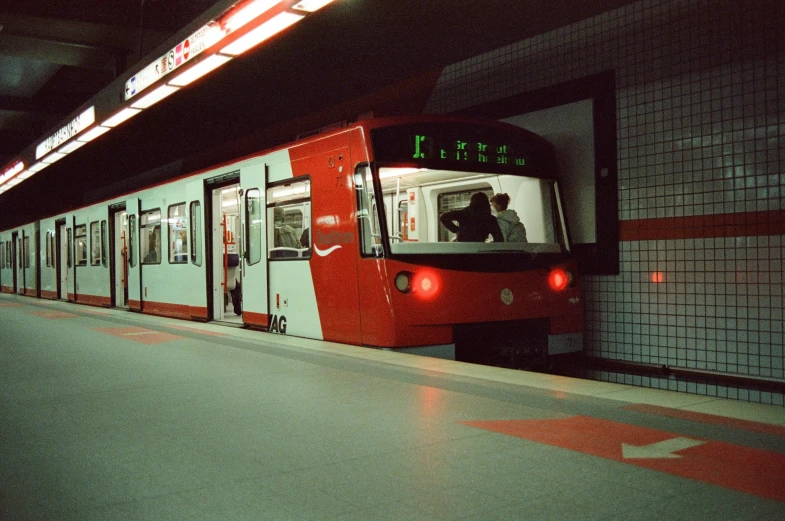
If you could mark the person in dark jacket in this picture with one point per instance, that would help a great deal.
(475, 222)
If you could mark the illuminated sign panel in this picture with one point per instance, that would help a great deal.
(74, 127)
(179, 55)
(462, 147)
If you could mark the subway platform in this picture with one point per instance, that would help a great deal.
(112, 415)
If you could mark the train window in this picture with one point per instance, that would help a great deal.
(254, 224)
(424, 208)
(103, 243)
(80, 245)
(150, 237)
(48, 250)
(178, 234)
(367, 217)
(26, 252)
(133, 241)
(70, 249)
(95, 244)
(196, 233)
(2, 254)
(289, 220)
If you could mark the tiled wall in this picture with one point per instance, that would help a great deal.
(701, 169)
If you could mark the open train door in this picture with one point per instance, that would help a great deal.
(253, 182)
(132, 258)
(119, 235)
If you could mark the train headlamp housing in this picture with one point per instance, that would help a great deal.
(403, 281)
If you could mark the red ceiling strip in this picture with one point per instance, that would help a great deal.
(704, 226)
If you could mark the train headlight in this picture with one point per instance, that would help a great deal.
(559, 279)
(403, 282)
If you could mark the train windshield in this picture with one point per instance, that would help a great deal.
(441, 211)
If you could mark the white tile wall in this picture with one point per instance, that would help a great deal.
(701, 131)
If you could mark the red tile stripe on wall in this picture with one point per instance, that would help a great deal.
(703, 226)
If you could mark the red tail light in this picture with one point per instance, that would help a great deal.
(426, 284)
(558, 279)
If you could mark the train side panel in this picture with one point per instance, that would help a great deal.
(171, 283)
(47, 258)
(6, 262)
(90, 241)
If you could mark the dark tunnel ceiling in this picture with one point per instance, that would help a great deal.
(55, 55)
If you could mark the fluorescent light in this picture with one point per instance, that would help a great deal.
(200, 69)
(37, 167)
(248, 13)
(94, 133)
(73, 145)
(385, 173)
(123, 115)
(52, 157)
(154, 97)
(26, 174)
(269, 28)
(311, 5)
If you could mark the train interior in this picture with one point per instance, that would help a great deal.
(415, 198)
(226, 229)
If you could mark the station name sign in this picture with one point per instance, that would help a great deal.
(74, 127)
(179, 55)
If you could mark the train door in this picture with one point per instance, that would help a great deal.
(134, 281)
(119, 258)
(253, 181)
(227, 269)
(62, 261)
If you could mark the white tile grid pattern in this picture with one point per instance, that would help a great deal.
(700, 128)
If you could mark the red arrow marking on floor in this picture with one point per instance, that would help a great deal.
(736, 467)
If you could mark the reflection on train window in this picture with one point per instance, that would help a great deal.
(26, 252)
(254, 224)
(367, 216)
(2, 254)
(103, 244)
(178, 235)
(150, 237)
(196, 233)
(132, 240)
(289, 220)
(80, 245)
(95, 244)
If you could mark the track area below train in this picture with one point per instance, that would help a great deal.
(108, 414)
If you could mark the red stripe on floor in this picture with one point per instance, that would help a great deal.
(53, 314)
(140, 334)
(764, 428)
(735, 467)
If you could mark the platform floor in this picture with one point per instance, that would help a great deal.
(112, 415)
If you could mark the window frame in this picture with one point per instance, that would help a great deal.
(142, 260)
(169, 233)
(195, 216)
(80, 232)
(95, 244)
(133, 232)
(271, 203)
(104, 242)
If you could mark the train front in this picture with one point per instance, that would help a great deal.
(429, 285)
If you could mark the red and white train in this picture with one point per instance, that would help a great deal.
(333, 237)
